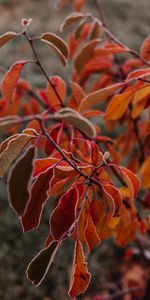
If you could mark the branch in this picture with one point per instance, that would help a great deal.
(38, 62)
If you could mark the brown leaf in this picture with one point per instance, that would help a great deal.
(13, 149)
(5, 38)
(57, 44)
(39, 266)
(20, 176)
(75, 119)
(71, 20)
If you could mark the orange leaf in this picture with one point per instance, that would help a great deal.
(85, 55)
(10, 79)
(96, 97)
(91, 236)
(118, 105)
(60, 87)
(110, 49)
(77, 95)
(145, 49)
(5, 38)
(80, 276)
(145, 173)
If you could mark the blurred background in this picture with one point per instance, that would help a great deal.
(130, 22)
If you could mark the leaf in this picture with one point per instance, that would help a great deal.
(8, 36)
(118, 105)
(96, 155)
(85, 55)
(145, 173)
(91, 236)
(63, 216)
(71, 20)
(110, 49)
(80, 276)
(55, 135)
(131, 179)
(75, 119)
(42, 164)
(57, 44)
(60, 86)
(145, 49)
(138, 73)
(39, 266)
(13, 149)
(77, 95)
(113, 197)
(96, 97)
(20, 176)
(78, 4)
(10, 79)
(38, 198)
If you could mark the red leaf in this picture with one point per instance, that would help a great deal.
(55, 135)
(138, 73)
(64, 214)
(80, 276)
(39, 196)
(60, 87)
(96, 155)
(10, 79)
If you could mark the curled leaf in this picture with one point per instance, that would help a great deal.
(75, 119)
(13, 149)
(5, 38)
(80, 276)
(71, 20)
(57, 44)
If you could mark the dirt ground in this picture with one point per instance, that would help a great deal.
(130, 21)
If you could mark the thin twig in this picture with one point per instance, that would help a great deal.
(38, 62)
